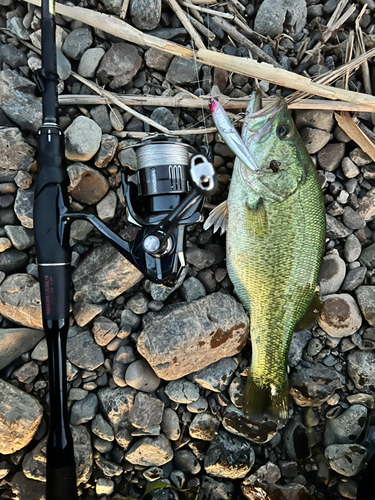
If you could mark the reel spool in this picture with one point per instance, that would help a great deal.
(161, 181)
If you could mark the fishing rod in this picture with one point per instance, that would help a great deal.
(163, 196)
(54, 256)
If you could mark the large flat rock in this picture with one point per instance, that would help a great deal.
(103, 275)
(16, 341)
(20, 416)
(188, 337)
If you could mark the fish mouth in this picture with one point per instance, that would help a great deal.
(259, 120)
(256, 110)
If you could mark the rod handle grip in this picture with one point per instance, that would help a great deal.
(61, 483)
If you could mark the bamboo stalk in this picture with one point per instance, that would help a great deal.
(186, 23)
(263, 71)
(197, 103)
(236, 35)
(352, 130)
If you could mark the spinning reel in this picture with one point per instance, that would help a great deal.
(163, 196)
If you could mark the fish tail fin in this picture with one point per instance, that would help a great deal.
(267, 399)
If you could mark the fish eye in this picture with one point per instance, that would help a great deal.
(283, 131)
(275, 166)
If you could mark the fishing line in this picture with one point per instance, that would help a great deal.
(198, 80)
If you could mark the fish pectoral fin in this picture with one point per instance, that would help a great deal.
(218, 218)
(256, 219)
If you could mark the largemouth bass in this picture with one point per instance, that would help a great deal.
(275, 223)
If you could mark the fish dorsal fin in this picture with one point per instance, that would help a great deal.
(256, 219)
(218, 218)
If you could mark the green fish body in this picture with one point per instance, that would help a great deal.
(275, 242)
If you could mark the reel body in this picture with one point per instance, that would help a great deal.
(163, 197)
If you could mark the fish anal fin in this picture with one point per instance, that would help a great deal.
(311, 315)
(218, 218)
(256, 220)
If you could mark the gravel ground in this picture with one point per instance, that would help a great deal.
(155, 376)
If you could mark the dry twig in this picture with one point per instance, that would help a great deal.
(361, 45)
(186, 23)
(202, 28)
(333, 25)
(347, 124)
(207, 11)
(124, 9)
(241, 39)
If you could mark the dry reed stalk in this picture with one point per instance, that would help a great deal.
(204, 2)
(348, 57)
(281, 77)
(334, 75)
(196, 102)
(194, 12)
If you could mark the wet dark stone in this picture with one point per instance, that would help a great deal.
(313, 385)
(234, 421)
(13, 261)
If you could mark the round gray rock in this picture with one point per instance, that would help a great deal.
(347, 427)
(77, 42)
(332, 274)
(82, 139)
(274, 16)
(145, 14)
(90, 61)
(352, 248)
(119, 65)
(182, 391)
(140, 375)
(361, 369)
(150, 452)
(346, 459)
